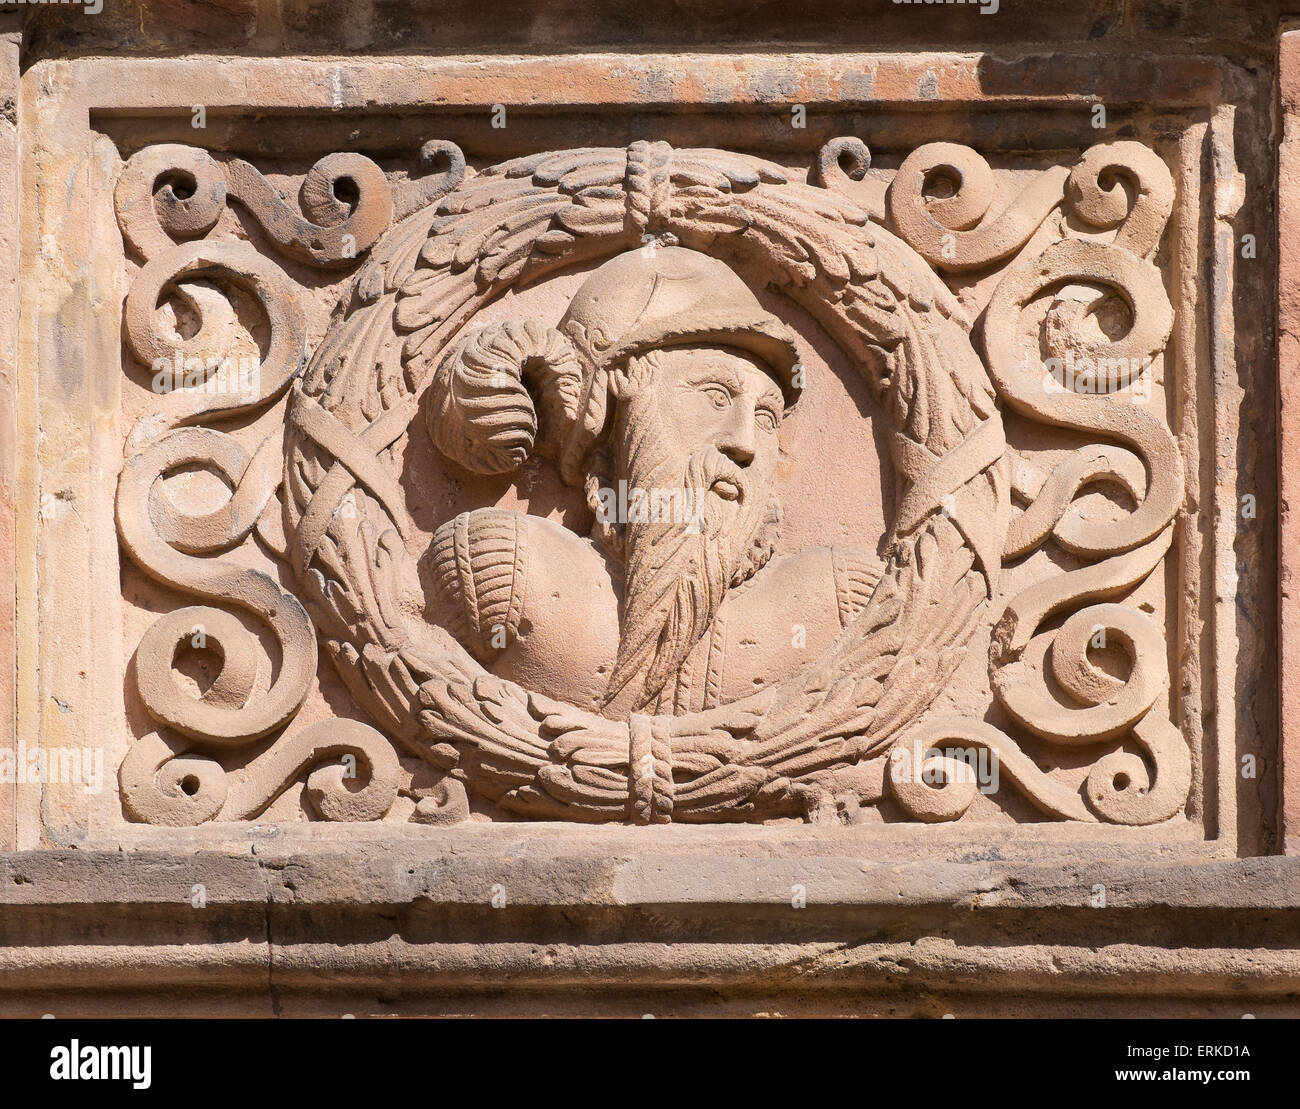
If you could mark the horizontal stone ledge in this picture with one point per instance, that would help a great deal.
(845, 80)
(393, 967)
(462, 872)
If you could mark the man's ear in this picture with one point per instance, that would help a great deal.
(619, 385)
(628, 378)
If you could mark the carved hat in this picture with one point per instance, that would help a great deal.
(664, 296)
(636, 302)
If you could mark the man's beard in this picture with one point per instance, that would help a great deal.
(678, 571)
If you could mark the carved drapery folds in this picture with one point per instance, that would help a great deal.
(830, 737)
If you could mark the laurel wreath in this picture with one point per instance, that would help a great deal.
(811, 741)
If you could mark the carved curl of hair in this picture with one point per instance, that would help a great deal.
(481, 409)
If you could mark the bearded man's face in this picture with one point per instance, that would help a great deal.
(722, 405)
(703, 421)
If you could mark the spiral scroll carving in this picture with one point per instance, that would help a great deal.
(1045, 680)
(169, 198)
(835, 735)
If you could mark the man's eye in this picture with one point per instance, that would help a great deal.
(718, 396)
(765, 419)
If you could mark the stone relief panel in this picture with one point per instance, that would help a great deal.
(559, 490)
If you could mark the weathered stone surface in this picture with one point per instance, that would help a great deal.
(1288, 338)
(652, 502)
(9, 457)
(644, 932)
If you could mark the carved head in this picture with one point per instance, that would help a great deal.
(668, 299)
(667, 381)
(509, 388)
(707, 398)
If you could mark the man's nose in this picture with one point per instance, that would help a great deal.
(736, 437)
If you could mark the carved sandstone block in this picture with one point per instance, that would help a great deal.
(852, 458)
(652, 649)
(646, 483)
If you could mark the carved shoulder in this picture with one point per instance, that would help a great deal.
(526, 596)
(788, 613)
(839, 580)
(477, 562)
(854, 576)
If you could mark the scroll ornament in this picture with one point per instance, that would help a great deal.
(168, 198)
(822, 741)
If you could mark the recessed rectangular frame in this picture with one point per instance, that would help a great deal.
(68, 661)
